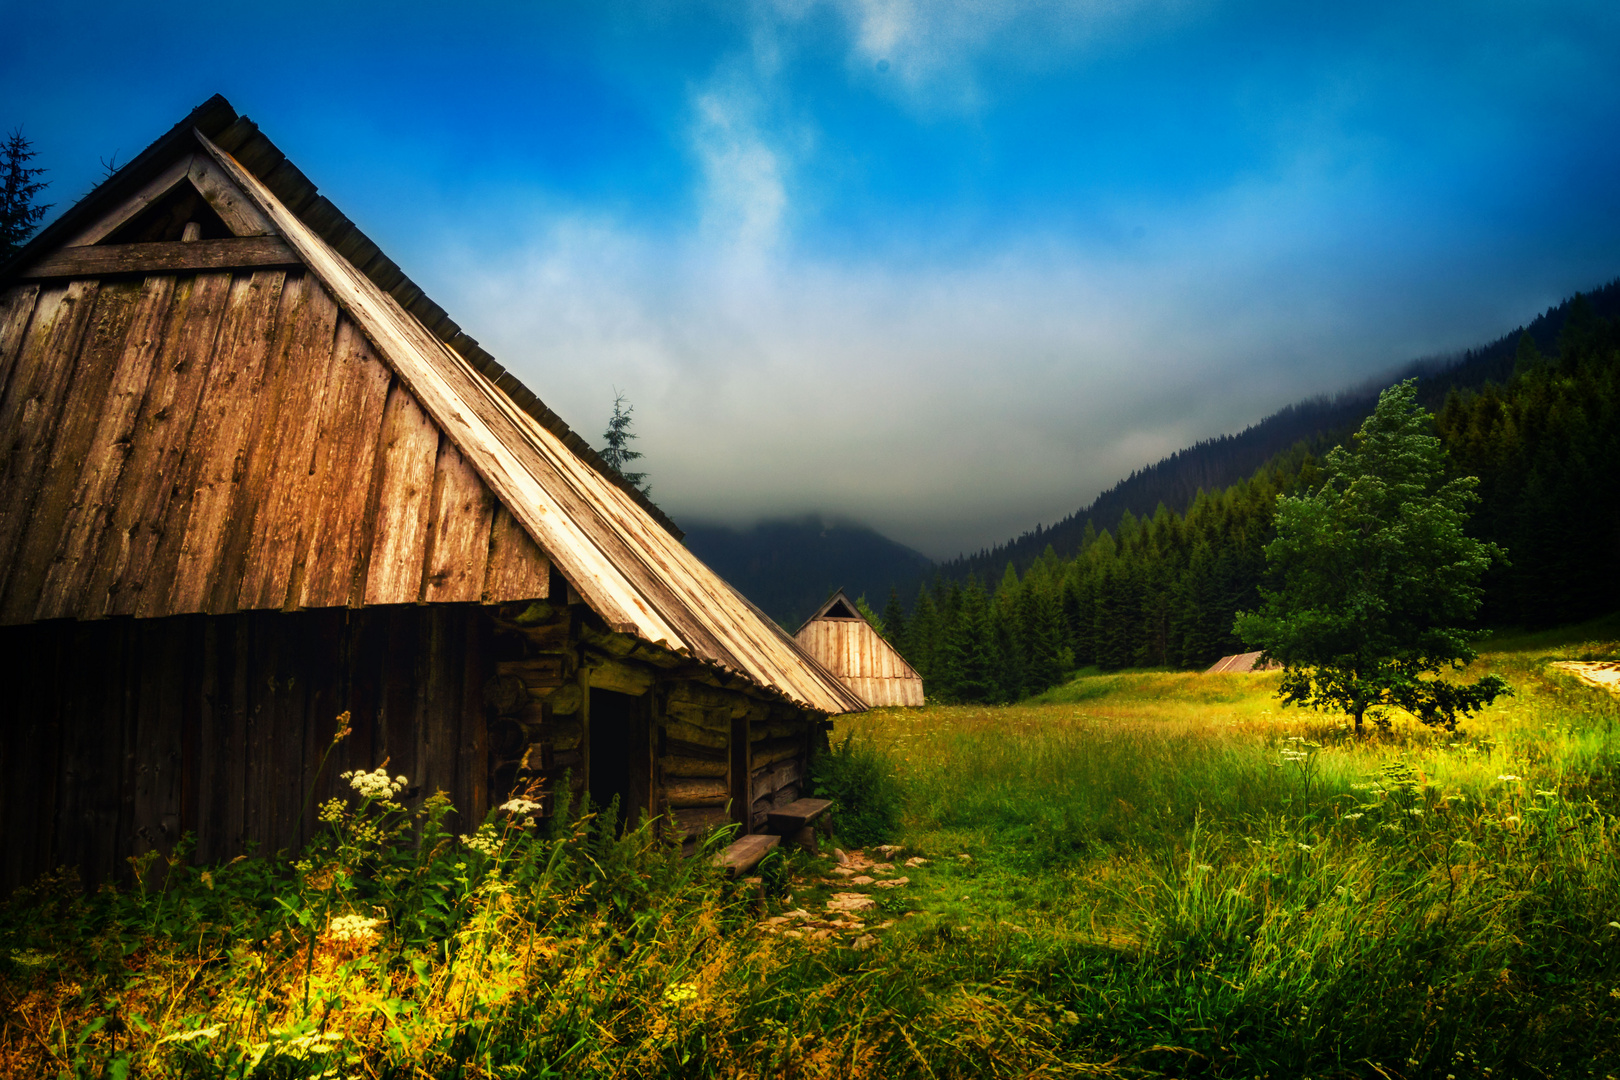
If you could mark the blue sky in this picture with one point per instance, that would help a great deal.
(949, 269)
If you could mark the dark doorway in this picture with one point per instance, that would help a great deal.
(620, 754)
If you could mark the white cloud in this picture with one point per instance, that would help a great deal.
(949, 406)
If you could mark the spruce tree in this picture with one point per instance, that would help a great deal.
(19, 186)
(894, 620)
(1376, 576)
(616, 444)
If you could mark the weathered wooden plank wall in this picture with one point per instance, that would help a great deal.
(222, 442)
(121, 734)
(862, 660)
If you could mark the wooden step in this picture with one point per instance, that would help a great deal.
(796, 815)
(743, 855)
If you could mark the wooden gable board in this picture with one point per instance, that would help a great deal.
(632, 572)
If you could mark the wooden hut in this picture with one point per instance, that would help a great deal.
(252, 478)
(845, 644)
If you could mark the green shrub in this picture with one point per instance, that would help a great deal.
(866, 793)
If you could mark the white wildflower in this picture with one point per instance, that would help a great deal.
(486, 841)
(1415, 813)
(1305, 847)
(1354, 817)
(354, 928)
(375, 785)
(192, 1036)
(1508, 777)
(521, 807)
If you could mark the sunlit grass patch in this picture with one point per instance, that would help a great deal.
(1141, 873)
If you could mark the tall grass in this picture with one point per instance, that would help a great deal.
(1139, 874)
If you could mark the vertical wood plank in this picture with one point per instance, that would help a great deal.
(285, 745)
(16, 308)
(518, 569)
(159, 712)
(89, 378)
(326, 569)
(437, 698)
(195, 690)
(220, 440)
(459, 533)
(326, 674)
(89, 512)
(257, 465)
(473, 769)
(303, 378)
(399, 704)
(32, 406)
(156, 452)
(410, 446)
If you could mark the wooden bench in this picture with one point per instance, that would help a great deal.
(744, 854)
(797, 821)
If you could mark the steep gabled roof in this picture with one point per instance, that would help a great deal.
(614, 547)
(240, 137)
(837, 606)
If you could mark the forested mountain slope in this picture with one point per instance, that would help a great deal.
(789, 567)
(1317, 423)
(1164, 590)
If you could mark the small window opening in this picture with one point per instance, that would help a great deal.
(166, 219)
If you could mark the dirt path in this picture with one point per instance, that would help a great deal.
(1603, 673)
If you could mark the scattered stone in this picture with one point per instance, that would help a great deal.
(889, 851)
(797, 913)
(777, 920)
(822, 935)
(843, 871)
(793, 933)
(886, 924)
(839, 856)
(862, 880)
(894, 883)
(851, 901)
(916, 861)
(865, 941)
(882, 868)
(965, 857)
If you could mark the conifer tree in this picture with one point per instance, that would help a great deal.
(1376, 574)
(616, 444)
(19, 186)
(894, 621)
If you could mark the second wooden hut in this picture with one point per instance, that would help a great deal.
(846, 644)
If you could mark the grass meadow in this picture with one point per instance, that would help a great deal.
(1137, 874)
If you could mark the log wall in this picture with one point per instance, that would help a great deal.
(119, 735)
(722, 751)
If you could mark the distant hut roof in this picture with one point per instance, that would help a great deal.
(613, 546)
(841, 639)
(1240, 662)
